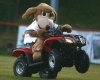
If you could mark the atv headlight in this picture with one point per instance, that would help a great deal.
(68, 41)
(82, 40)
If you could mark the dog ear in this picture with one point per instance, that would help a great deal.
(29, 12)
(54, 15)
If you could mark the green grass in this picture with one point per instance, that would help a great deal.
(6, 72)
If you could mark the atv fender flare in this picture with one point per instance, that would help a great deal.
(17, 52)
(51, 42)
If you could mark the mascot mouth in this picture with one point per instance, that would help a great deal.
(44, 21)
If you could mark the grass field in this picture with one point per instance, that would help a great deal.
(6, 72)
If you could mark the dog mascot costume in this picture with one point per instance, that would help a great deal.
(35, 34)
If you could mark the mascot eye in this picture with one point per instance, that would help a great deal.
(44, 13)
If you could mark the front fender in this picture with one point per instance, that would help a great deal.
(17, 52)
(48, 43)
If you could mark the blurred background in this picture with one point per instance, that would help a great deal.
(81, 14)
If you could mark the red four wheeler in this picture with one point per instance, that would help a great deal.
(58, 51)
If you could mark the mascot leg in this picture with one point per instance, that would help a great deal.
(36, 49)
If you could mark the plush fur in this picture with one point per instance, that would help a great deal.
(38, 10)
(43, 14)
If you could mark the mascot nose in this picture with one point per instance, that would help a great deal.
(47, 27)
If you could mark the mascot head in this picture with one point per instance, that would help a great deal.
(43, 14)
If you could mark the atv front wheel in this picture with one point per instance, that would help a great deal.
(20, 68)
(54, 61)
(82, 62)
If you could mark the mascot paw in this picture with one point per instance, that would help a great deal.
(67, 28)
(42, 33)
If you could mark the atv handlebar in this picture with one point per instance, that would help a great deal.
(53, 31)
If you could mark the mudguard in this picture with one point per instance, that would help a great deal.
(17, 52)
(50, 41)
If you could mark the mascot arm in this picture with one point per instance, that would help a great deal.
(32, 33)
(65, 27)
(40, 33)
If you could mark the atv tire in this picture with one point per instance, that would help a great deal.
(20, 68)
(54, 61)
(82, 62)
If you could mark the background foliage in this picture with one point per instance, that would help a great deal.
(79, 13)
